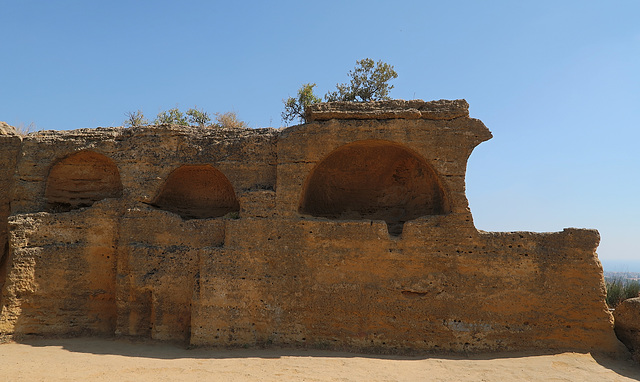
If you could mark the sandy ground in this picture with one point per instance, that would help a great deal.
(117, 360)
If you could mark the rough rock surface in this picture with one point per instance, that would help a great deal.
(10, 146)
(393, 109)
(627, 324)
(341, 233)
(6, 129)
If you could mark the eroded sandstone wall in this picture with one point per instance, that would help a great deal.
(310, 283)
(152, 261)
(351, 231)
(62, 278)
(10, 145)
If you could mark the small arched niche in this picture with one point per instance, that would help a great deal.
(374, 180)
(197, 192)
(81, 179)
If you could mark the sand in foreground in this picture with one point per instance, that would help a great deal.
(114, 360)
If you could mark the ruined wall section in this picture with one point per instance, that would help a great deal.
(349, 284)
(158, 269)
(273, 271)
(145, 156)
(313, 281)
(11, 145)
(246, 157)
(61, 279)
(62, 276)
(445, 145)
(42, 150)
(159, 250)
(153, 256)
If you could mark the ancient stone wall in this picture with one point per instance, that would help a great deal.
(10, 145)
(351, 231)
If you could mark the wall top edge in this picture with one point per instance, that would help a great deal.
(391, 109)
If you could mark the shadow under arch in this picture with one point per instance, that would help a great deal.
(81, 179)
(197, 192)
(374, 180)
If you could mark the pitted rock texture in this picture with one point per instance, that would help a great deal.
(627, 324)
(340, 233)
(10, 147)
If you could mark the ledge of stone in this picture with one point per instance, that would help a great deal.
(393, 109)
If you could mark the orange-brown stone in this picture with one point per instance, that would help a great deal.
(351, 231)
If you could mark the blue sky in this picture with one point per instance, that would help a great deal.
(557, 82)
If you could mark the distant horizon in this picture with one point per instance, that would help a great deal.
(620, 265)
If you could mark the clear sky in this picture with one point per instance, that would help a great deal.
(557, 82)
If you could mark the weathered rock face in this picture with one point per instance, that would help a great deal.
(373, 180)
(350, 231)
(197, 191)
(6, 129)
(10, 145)
(627, 316)
(81, 179)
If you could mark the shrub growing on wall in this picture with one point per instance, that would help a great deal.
(192, 117)
(171, 117)
(229, 120)
(135, 118)
(295, 107)
(369, 81)
(198, 117)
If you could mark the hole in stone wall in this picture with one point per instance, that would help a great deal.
(81, 179)
(197, 192)
(374, 179)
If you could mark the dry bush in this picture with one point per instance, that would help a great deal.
(135, 118)
(23, 129)
(229, 120)
(193, 117)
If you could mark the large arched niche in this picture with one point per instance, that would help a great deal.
(374, 180)
(81, 179)
(197, 192)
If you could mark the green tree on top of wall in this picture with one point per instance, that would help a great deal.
(295, 107)
(369, 82)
